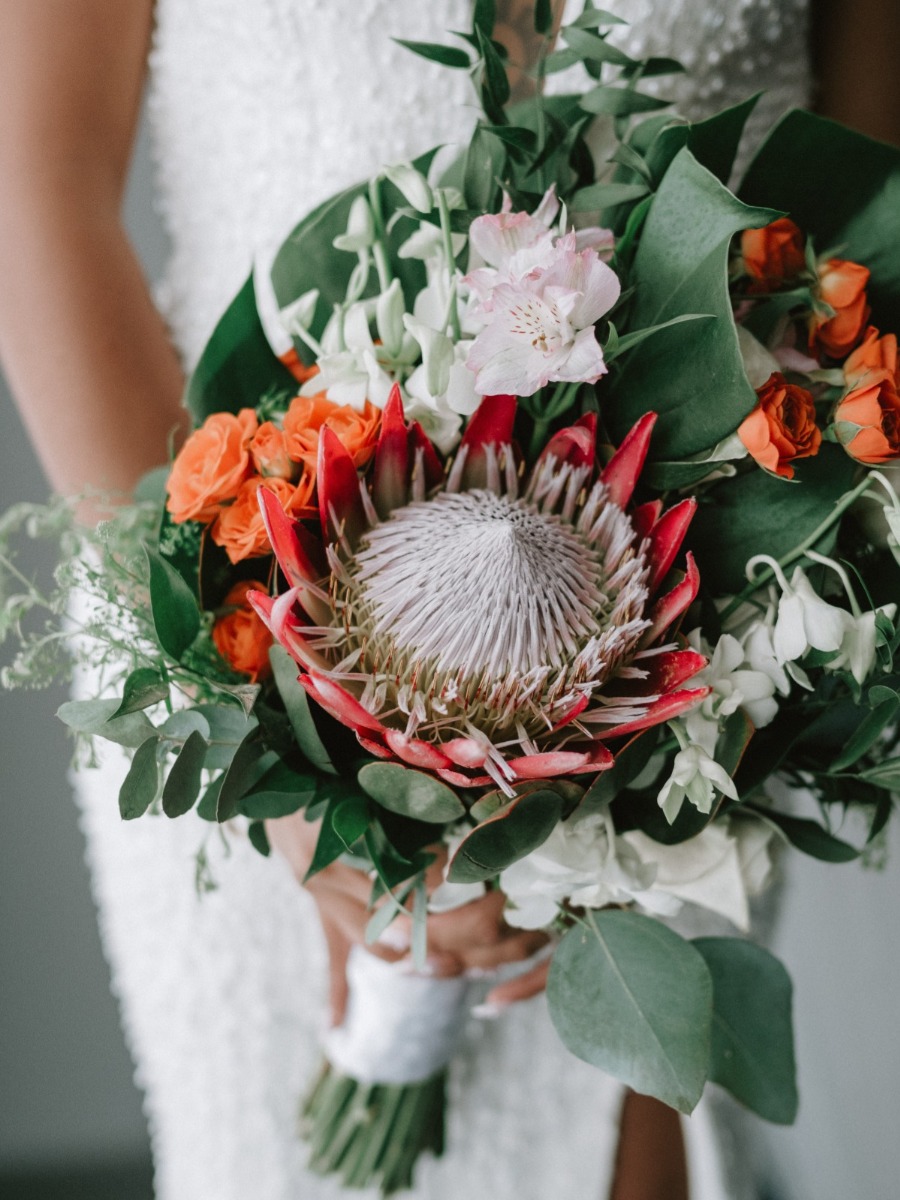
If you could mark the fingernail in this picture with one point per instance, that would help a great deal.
(488, 1011)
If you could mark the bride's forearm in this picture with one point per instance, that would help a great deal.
(86, 354)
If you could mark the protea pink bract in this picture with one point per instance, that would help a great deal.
(482, 623)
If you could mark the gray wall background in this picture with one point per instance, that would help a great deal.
(66, 1091)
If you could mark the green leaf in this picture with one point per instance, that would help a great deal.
(180, 725)
(206, 809)
(259, 839)
(757, 513)
(239, 777)
(628, 764)
(183, 783)
(411, 793)
(296, 703)
(630, 340)
(514, 831)
(866, 734)
(596, 18)
(809, 836)
(345, 816)
(543, 16)
(176, 616)
(607, 195)
(97, 719)
(847, 197)
(514, 135)
(138, 790)
(495, 81)
(143, 687)
(633, 998)
(227, 727)
(237, 367)
(681, 266)
(484, 17)
(278, 793)
(447, 56)
(592, 48)
(619, 102)
(713, 142)
(484, 161)
(886, 775)
(752, 1034)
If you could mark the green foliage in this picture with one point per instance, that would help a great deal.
(140, 785)
(752, 1034)
(182, 786)
(410, 793)
(176, 616)
(144, 687)
(681, 266)
(633, 998)
(297, 706)
(97, 718)
(516, 829)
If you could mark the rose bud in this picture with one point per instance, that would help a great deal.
(867, 419)
(774, 255)
(874, 353)
(782, 427)
(842, 286)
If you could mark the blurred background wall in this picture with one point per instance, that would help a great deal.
(67, 1100)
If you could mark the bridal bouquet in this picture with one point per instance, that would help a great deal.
(542, 505)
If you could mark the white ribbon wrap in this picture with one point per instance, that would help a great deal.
(399, 1027)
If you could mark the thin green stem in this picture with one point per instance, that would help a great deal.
(447, 234)
(379, 249)
(798, 551)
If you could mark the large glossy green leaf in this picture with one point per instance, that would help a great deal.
(691, 374)
(757, 513)
(96, 718)
(752, 1035)
(514, 831)
(847, 196)
(296, 703)
(138, 790)
(713, 142)
(237, 367)
(411, 793)
(810, 837)
(633, 998)
(176, 616)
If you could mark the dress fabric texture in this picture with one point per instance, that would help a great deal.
(262, 108)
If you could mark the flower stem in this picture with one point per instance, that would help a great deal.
(447, 233)
(538, 437)
(798, 551)
(379, 249)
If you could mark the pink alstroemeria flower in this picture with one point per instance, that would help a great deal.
(540, 328)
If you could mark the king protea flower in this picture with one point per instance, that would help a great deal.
(477, 623)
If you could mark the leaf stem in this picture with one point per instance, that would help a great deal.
(447, 234)
(379, 249)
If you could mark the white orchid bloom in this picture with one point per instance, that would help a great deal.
(735, 684)
(353, 374)
(695, 777)
(412, 185)
(360, 234)
(805, 621)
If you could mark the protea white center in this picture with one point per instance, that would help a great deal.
(489, 609)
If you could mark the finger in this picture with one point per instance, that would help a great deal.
(512, 948)
(523, 987)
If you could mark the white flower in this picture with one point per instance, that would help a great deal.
(759, 652)
(540, 329)
(735, 684)
(858, 646)
(805, 621)
(353, 374)
(695, 776)
(360, 233)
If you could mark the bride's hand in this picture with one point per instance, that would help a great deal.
(473, 937)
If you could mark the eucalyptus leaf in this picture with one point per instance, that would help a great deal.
(507, 836)
(447, 56)
(296, 703)
(180, 725)
(182, 786)
(332, 843)
(619, 102)
(633, 998)
(228, 726)
(139, 787)
(258, 837)
(97, 719)
(410, 793)
(143, 687)
(240, 776)
(809, 837)
(592, 48)
(752, 1034)
(596, 18)
(176, 615)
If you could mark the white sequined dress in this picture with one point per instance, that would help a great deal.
(261, 108)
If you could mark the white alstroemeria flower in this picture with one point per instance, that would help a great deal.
(759, 652)
(389, 319)
(427, 243)
(360, 234)
(805, 621)
(353, 374)
(858, 647)
(513, 243)
(541, 328)
(695, 777)
(458, 394)
(442, 425)
(412, 185)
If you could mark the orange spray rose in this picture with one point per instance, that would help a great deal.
(269, 451)
(240, 529)
(782, 427)
(358, 431)
(774, 255)
(874, 353)
(867, 419)
(211, 466)
(240, 636)
(842, 286)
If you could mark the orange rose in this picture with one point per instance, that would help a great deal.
(240, 636)
(782, 427)
(874, 353)
(240, 529)
(774, 255)
(358, 431)
(269, 451)
(842, 286)
(211, 466)
(297, 367)
(867, 420)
